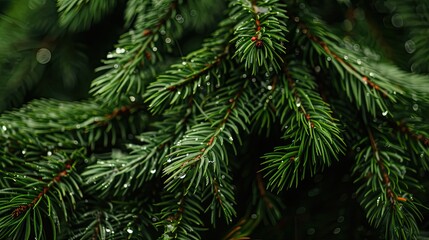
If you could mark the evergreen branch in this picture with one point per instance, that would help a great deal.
(415, 17)
(78, 15)
(197, 70)
(383, 192)
(308, 123)
(359, 69)
(33, 209)
(412, 135)
(190, 152)
(259, 33)
(144, 161)
(181, 216)
(265, 114)
(223, 198)
(67, 125)
(125, 71)
(112, 220)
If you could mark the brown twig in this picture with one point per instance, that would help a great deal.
(23, 208)
(386, 179)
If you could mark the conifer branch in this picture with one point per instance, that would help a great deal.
(197, 70)
(181, 217)
(385, 187)
(306, 120)
(259, 33)
(125, 70)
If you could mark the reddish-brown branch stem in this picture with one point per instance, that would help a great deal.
(262, 191)
(335, 56)
(202, 72)
(23, 208)
(402, 127)
(296, 95)
(232, 102)
(386, 179)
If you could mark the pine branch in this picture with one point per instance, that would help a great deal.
(259, 33)
(136, 54)
(384, 188)
(27, 207)
(202, 69)
(114, 174)
(308, 124)
(180, 216)
(358, 70)
(57, 124)
(78, 15)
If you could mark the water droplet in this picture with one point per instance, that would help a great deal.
(126, 185)
(317, 69)
(378, 201)
(410, 46)
(298, 102)
(109, 55)
(43, 56)
(415, 107)
(253, 79)
(270, 87)
(154, 49)
(169, 160)
(170, 227)
(336, 230)
(244, 76)
(182, 176)
(397, 20)
(154, 219)
(178, 93)
(4, 128)
(153, 171)
(115, 66)
(311, 231)
(183, 63)
(129, 230)
(120, 50)
(358, 149)
(23, 152)
(167, 40)
(328, 59)
(108, 230)
(371, 74)
(359, 62)
(208, 83)
(385, 113)
(231, 139)
(49, 153)
(346, 57)
(340, 219)
(254, 216)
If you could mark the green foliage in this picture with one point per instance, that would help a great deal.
(81, 14)
(185, 138)
(259, 33)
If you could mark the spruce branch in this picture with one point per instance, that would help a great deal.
(202, 69)
(78, 15)
(27, 206)
(259, 33)
(115, 172)
(135, 54)
(358, 69)
(307, 123)
(180, 216)
(385, 187)
(68, 124)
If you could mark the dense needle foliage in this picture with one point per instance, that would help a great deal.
(209, 119)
